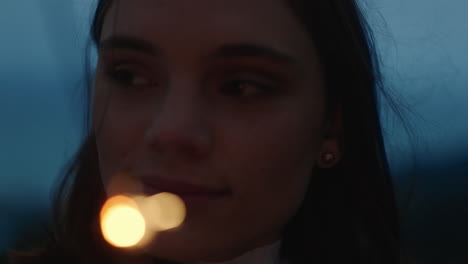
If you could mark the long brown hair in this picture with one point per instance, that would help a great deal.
(349, 214)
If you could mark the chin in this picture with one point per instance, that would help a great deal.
(173, 247)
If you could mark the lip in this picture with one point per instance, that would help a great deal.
(190, 193)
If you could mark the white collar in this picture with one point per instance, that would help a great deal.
(267, 254)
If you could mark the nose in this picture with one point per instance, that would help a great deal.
(179, 127)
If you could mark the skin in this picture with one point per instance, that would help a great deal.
(172, 113)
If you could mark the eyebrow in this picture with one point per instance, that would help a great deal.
(254, 50)
(125, 42)
(224, 51)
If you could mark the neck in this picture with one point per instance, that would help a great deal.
(267, 254)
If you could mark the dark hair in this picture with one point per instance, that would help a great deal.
(349, 214)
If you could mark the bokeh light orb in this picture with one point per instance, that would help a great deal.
(134, 221)
(164, 211)
(122, 224)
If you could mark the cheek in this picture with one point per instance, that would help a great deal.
(279, 174)
(272, 164)
(117, 133)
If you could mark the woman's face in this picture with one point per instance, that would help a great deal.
(226, 95)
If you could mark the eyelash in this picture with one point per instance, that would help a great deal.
(121, 73)
(235, 85)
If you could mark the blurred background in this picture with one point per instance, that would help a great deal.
(423, 44)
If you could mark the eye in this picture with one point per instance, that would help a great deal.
(129, 76)
(247, 88)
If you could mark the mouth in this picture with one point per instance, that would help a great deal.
(191, 194)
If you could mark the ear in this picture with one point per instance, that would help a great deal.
(332, 142)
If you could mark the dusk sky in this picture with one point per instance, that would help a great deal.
(423, 44)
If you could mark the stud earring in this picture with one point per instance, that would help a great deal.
(328, 157)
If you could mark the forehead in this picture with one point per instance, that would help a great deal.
(204, 22)
(175, 12)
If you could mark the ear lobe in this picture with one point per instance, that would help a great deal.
(335, 125)
(331, 151)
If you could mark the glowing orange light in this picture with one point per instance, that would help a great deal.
(122, 224)
(163, 211)
(133, 222)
